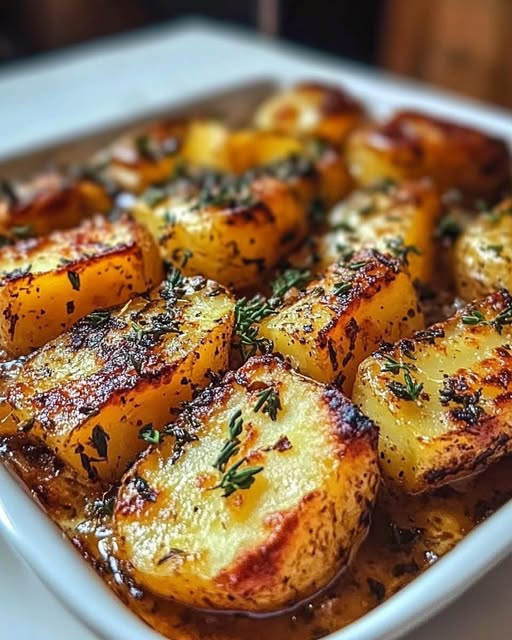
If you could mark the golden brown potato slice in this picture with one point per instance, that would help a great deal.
(244, 505)
(89, 393)
(311, 109)
(483, 253)
(47, 202)
(399, 219)
(413, 145)
(316, 169)
(232, 231)
(48, 283)
(442, 399)
(343, 316)
(151, 156)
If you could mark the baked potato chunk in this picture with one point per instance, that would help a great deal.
(47, 202)
(442, 399)
(89, 394)
(232, 231)
(311, 109)
(138, 160)
(316, 169)
(413, 145)
(244, 505)
(343, 316)
(50, 282)
(483, 253)
(393, 218)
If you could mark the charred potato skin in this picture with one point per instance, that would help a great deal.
(109, 383)
(84, 272)
(326, 335)
(379, 217)
(302, 547)
(413, 145)
(234, 243)
(483, 253)
(460, 441)
(49, 202)
(311, 109)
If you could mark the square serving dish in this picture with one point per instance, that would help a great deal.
(47, 550)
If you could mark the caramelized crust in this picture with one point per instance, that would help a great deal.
(413, 145)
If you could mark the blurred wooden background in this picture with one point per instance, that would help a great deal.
(463, 45)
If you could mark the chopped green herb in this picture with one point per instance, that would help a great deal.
(236, 479)
(154, 196)
(149, 434)
(269, 403)
(474, 317)
(449, 227)
(97, 318)
(408, 391)
(356, 265)
(340, 288)
(74, 278)
(503, 318)
(288, 279)
(22, 231)
(99, 440)
(401, 250)
(393, 366)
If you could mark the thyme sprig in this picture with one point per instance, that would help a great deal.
(248, 312)
(269, 403)
(232, 445)
(408, 391)
(235, 478)
(288, 279)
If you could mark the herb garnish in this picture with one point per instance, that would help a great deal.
(340, 288)
(448, 227)
(393, 366)
(231, 445)
(269, 403)
(288, 279)
(99, 440)
(503, 318)
(97, 318)
(22, 231)
(104, 507)
(74, 278)
(474, 317)
(235, 479)
(408, 391)
(456, 390)
(8, 190)
(247, 313)
(401, 250)
(149, 434)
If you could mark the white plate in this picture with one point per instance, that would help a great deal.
(153, 70)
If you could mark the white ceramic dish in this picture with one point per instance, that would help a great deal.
(67, 575)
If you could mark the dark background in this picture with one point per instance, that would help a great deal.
(463, 45)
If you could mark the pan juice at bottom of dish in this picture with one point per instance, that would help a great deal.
(408, 534)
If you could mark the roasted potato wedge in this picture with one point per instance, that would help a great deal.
(138, 160)
(88, 394)
(343, 316)
(483, 253)
(258, 520)
(397, 219)
(413, 145)
(49, 282)
(442, 398)
(316, 169)
(47, 202)
(311, 109)
(232, 232)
